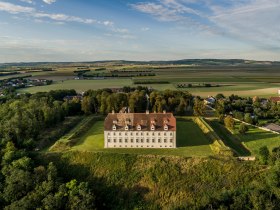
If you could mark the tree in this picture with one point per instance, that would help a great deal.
(243, 128)
(198, 107)
(229, 122)
(248, 118)
(264, 155)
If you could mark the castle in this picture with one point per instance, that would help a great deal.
(140, 130)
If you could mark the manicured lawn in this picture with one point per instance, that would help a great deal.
(190, 142)
(257, 138)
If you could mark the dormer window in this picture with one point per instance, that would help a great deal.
(126, 128)
(166, 121)
(139, 127)
(127, 121)
(114, 127)
(152, 127)
(115, 121)
(166, 127)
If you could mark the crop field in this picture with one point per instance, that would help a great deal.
(242, 80)
(190, 142)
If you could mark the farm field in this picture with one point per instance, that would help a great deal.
(253, 80)
(190, 142)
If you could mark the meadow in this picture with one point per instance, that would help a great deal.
(248, 80)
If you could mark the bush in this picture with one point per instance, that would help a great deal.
(229, 122)
(264, 155)
(243, 128)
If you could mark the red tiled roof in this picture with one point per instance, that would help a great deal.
(275, 99)
(142, 119)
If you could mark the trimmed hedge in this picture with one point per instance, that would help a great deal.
(217, 145)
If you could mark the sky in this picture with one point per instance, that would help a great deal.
(91, 30)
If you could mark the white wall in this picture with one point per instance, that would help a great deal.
(146, 139)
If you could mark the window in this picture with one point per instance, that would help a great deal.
(171, 134)
(139, 127)
(125, 133)
(141, 133)
(142, 140)
(114, 133)
(120, 133)
(125, 140)
(114, 127)
(120, 140)
(166, 128)
(165, 133)
(131, 140)
(108, 134)
(137, 140)
(153, 133)
(147, 134)
(115, 140)
(171, 140)
(126, 127)
(165, 140)
(159, 140)
(109, 140)
(152, 127)
(153, 140)
(148, 140)
(159, 134)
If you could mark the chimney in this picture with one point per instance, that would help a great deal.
(164, 111)
(147, 112)
(113, 111)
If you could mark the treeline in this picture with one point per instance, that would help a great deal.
(104, 101)
(146, 82)
(120, 74)
(250, 110)
(23, 118)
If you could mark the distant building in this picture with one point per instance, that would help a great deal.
(140, 130)
(275, 99)
(210, 101)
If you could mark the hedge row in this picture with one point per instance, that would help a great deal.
(217, 145)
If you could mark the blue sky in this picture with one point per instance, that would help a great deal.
(88, 30)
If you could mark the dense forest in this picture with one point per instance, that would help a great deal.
(31, 179)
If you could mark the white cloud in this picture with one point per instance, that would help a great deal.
(15, 9)
(145, 29)
(28, 1)
(30, 11)
(256, 22)
(49, 1)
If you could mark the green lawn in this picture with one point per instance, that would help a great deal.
(190, 142)
(257, 138)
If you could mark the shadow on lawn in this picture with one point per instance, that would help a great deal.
(189, 134)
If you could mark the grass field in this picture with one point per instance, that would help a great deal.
(190, 142)
(257, 138)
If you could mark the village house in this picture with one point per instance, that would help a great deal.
(140, 130)
(275, 99)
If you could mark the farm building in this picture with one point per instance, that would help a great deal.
(140, 130)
